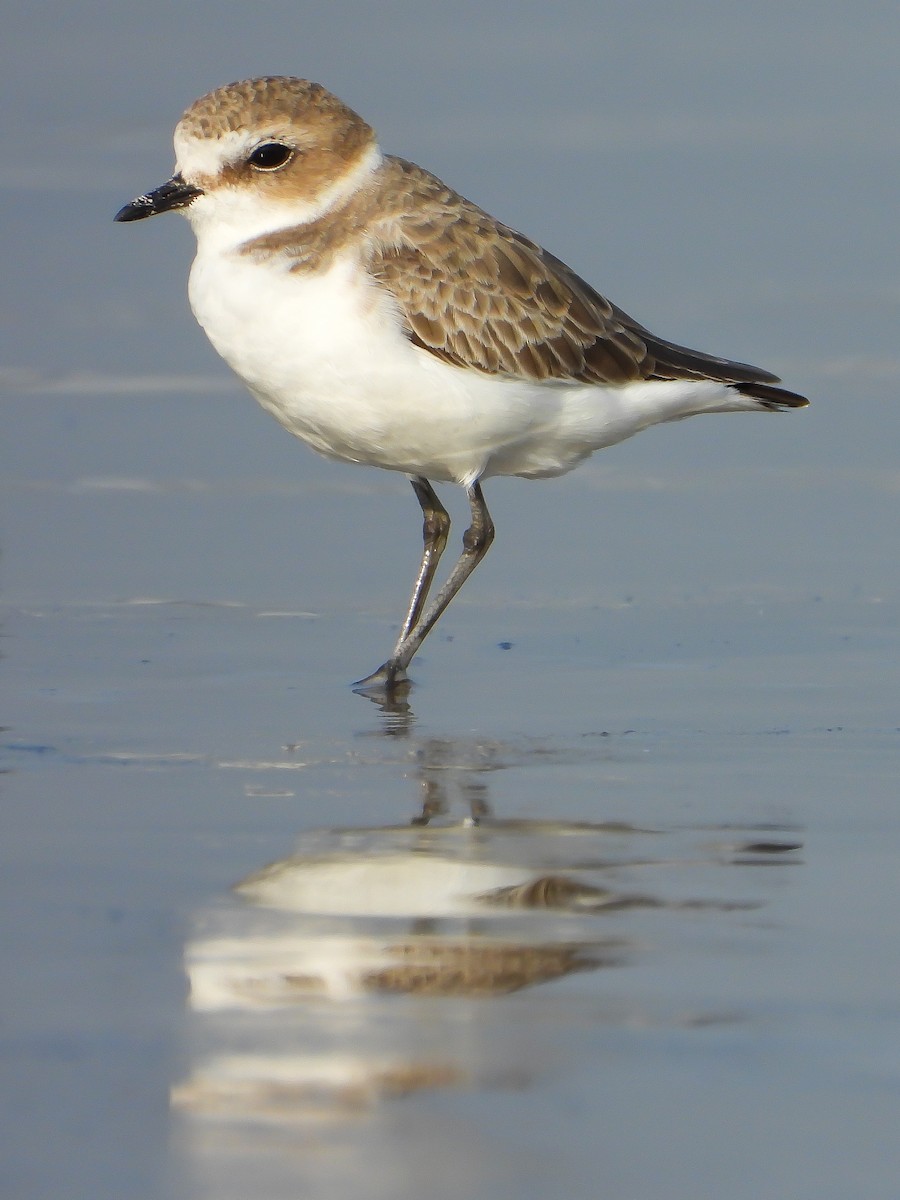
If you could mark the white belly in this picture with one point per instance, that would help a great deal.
(326, 355)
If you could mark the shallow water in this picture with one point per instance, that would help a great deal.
(641, 935)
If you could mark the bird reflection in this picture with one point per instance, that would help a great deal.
(377, 962)
(443, 770)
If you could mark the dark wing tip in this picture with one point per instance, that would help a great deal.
(774, 398)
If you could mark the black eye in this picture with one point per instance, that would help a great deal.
(270, 156)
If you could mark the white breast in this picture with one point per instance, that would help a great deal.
(325, 353)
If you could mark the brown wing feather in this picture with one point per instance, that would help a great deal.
(480, 295)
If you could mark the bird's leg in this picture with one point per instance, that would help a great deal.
(476, 543)
(435, 528)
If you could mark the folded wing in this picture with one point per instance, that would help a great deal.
(478, 294)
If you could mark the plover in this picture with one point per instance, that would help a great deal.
(384, 319)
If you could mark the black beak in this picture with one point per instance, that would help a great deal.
(174, 194)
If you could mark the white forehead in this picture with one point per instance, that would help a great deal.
(196, 156)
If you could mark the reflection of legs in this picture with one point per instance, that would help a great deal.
(435, 528)
(476, 543)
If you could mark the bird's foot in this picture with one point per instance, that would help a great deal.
(389, 682)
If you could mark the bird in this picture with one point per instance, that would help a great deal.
(385, 320)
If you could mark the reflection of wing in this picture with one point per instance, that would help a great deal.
(477, 294)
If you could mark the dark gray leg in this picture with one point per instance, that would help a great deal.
(476, 543)
(435, 528)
